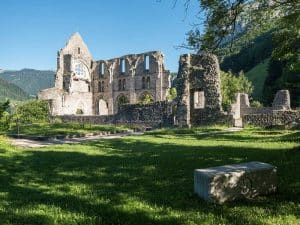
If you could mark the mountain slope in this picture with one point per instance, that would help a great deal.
(11, 91)
(30, 80)
(257, 75)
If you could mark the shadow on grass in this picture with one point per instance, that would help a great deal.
(134, 172)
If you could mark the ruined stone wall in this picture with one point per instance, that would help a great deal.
(199, 91)
(99, 87)
(131, 76)
(155, 115)
(274, 118)
(279, 114)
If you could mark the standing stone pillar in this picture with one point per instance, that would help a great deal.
(282, 100)
(183, 92)
(131, 80)
(111, 89)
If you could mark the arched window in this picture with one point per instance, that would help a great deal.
(143, 83)
(120, 85)
(148, 82)
(102, 86)
(123, 84)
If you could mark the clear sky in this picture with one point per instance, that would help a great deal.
(32, 31)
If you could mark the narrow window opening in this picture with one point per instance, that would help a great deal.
(124, 85)
(102, 86)
(143, 83)
(148, 83)
(120, 85)
(99, 87)
(122, 66)
(78, 50)
(102, 68)
(147, 62)
(92, 63)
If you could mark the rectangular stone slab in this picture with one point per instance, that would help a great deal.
(231, 182)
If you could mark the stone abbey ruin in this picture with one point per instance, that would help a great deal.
(87, 87)
(111, 92)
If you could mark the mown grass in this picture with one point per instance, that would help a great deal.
(54, 129)
(145, 180)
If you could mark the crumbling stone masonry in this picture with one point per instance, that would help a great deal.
(199, 91)
(279, 114)
(157, 114)
(88, 87)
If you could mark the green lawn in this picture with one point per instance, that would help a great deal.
(53, 129)
(257, 76)
(144, 180)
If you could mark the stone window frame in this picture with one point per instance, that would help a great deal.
(200, 103)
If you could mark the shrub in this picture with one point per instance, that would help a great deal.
(230, 85)
(256, 104)
(32, 111)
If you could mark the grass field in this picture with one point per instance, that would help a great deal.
(53, 129)
(145, 180)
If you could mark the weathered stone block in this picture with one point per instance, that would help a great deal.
(232, 182)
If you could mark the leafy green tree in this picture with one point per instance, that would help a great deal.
(4, 107)
(231, 26)
(225, 21)
(32, 111)
(230, 85)
(172, 94)
(146, 99)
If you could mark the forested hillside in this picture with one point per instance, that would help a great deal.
(30, 80)
(11, 91)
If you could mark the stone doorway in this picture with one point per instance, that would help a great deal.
(103, 107)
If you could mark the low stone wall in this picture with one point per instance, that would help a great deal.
(209, 117)
(156, 114)
(88, 119)
(252, 110)
(274, 118)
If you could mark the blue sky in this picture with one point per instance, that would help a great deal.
(33, 30)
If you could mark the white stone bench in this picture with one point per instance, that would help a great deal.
(231, 182)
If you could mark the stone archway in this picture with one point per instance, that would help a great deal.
(103, 107)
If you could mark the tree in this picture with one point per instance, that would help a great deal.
(3, 107)
(225, 20)
(230, 85)
(32, 111)
(172, 94)
(146, 98)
